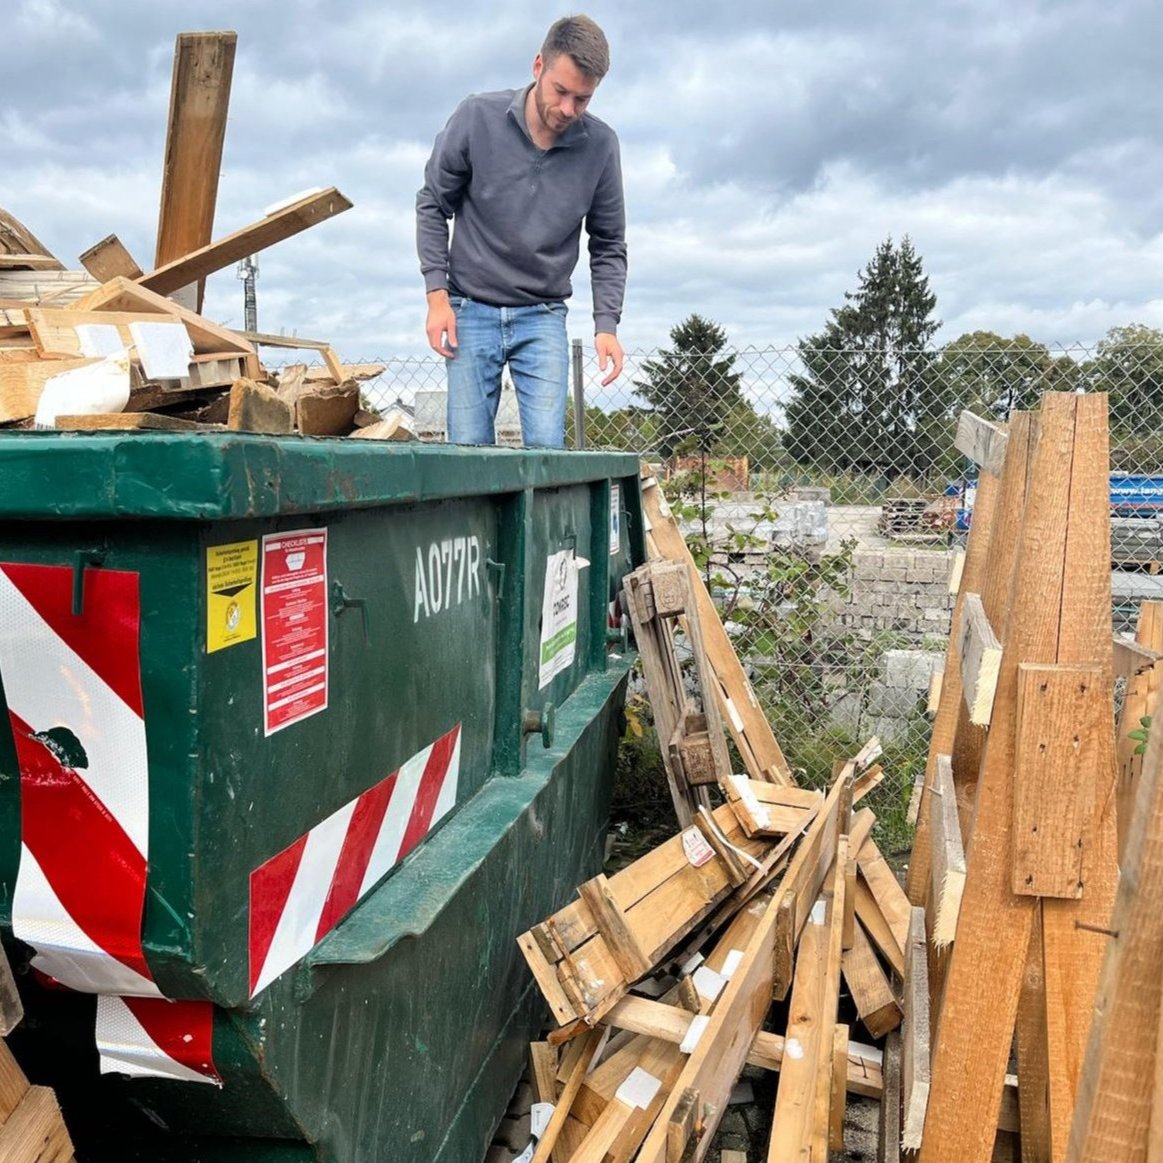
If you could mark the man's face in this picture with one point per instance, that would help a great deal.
(561, 93)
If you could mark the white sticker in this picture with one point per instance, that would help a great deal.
(819, 912)
(733, 960)
(708, 982)
(558, 616)
(639, 1089)
(759, 813)
(698, 1024)
(615, 520)
(793, 1049)
(99, 339)
(692, 963)
(695, 845)
(539, 1115)
(164, 349)
(733, 715)
(872, 756)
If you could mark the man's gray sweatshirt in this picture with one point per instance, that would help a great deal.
(519, 209)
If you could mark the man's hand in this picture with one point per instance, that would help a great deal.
(609, 351)
(441, 325)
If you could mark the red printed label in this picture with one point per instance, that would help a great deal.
(294, 626)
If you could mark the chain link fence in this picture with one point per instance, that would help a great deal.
(823, 498)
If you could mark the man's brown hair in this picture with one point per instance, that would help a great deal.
(580, 38)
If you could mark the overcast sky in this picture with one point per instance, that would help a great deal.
(767, 148)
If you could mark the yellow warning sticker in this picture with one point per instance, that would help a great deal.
(231, 574)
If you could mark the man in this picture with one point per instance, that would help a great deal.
(519, 171)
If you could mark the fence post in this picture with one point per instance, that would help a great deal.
(579, 398)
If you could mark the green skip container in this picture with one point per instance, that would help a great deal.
(300, 735)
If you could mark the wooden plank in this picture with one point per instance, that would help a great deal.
(948, 712)
(850, 903)
(839, 1088)
(327, 411)
(1030, 1045)
(16, 238)
(282, 224)
(131, 422)
(35, 1131)
(1117, 1088)
(543, 1071)
(948, 860)
(980, 653)
(1140, 701)
(54, 329)
(21, 385)
(982, 441)
(108, 259)
(975, 1028)
(613, 925)
(872, 993)
(936, 682)
(588, 1046)
(13, 1084)
(740, 708)
(195, 132)
(1131, 658)
(738, 1015)
(863, 1066)
(879, 931)
(828, 1089)
(889, 1130)
(957, 569)
(1061, 709)
(915, 1065)
(891, 900)
(61, 287)
(29, 262)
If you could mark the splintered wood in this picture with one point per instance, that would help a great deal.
(54, 321)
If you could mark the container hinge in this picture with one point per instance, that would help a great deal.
(83, 559)
(497, 570)
(341, 602)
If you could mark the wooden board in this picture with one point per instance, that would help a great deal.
(195, 132)
(16, 238)
(257, 408)
(889, 1130)
(35, 1131)
(980, 653)
(871, 991)
(982, 441)
(1140, 700)
(749, 728)
(131, 422)
(1059, 723)
(892, 904)
(327, 411)
(915, 1067)
(206, 259)
(108, 259)
(948, 859)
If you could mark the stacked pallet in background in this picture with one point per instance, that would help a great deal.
(124, 347)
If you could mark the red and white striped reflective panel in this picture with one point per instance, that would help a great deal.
(298, 896)
(150, 1037)
(73, 688)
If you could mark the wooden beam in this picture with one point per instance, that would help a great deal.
(257, 408)
(948, 861)
(871, 991)
(612, 923)
(195, 132)
(194, 265)
(35, 1131)
(132, 422)
(589, 1045)
(1061, 709)
(327, 411)
(889, 1130)
(838, 1100)
(108, 259)
(982, 441)
(915, 1066)
(21, 384)
(980, 653)
(1140, 702)
(1131, 658)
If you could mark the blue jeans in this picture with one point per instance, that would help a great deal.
(532, 341)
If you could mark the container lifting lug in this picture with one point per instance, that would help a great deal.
(544, 721)
(340, 602)
(83, 559)
(497, 570)
(618, 636)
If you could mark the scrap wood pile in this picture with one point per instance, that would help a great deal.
(116, 346)
(1007, 1003)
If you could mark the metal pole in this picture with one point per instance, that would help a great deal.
(579, 397)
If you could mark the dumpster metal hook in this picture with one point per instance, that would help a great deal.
(497, 569)
(341, 602)
(83, 559)
(543, 721)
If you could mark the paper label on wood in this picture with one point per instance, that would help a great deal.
(698, 1024)
(697, 850)
(639, 1089)
(100, 339)
(164, 349)
(692, 963)
(615, 520)
(758, 811)
(558, 616)
(709, 983)
(732, 962)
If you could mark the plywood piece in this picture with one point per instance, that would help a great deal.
(980, 653)
(108, 259)
(871, 990)
(981, 441)
(948, 855)
(1060, 716)
(195, 133)
(915, 1065)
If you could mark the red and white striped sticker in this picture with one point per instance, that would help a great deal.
(73, 688)
(149, 1037)
(298, 896)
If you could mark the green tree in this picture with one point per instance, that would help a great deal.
(868, 395)
(992, 375)
(692, 387)
(1128, 363)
